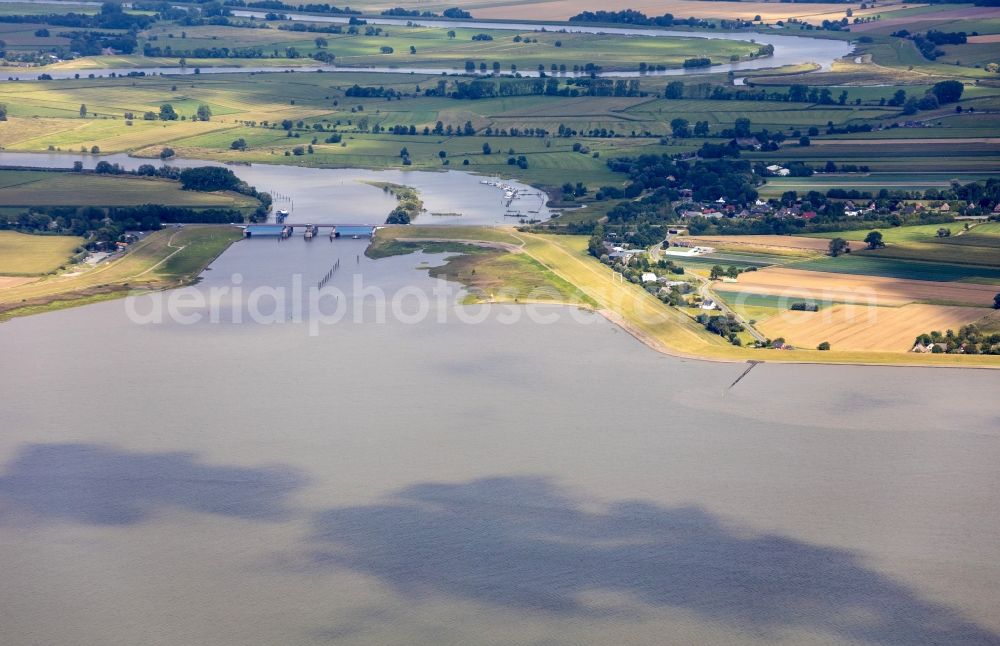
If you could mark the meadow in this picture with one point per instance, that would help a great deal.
(28, 188)
(907, 269)
(413, 46)
(28, 255)
(562, 9)
(249, 106)
(166, 258)
(980, 245)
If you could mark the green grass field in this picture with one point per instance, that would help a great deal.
(26, 255)
(28, 188)
(874, 265)
(433, 47)
(978, 246)
(917, 233)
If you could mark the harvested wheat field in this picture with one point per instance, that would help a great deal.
(853, 288)
(767, 243)
(14, 281)
(869, 329)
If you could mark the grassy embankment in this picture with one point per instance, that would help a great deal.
(167, 258)
(661, 327)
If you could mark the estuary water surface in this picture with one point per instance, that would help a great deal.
(346, 195)
(536, 477)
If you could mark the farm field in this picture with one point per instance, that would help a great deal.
(645, 317)
(854, 327)
(869, 182)
(563, 9)
(980, 245)
(799, 245)
(165, 258)
(859, 288)
(19, 188)
(434, 47)
(871, 265)
(985, 233)
(22, 254)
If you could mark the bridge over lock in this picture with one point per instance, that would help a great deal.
(310, 231)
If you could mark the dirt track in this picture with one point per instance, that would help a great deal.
(857, 327)
(852, 288)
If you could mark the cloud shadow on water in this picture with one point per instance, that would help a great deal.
(101, 485)
(521, 543)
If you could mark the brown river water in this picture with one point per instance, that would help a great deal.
(537, 477)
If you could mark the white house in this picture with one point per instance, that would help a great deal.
(648, 277)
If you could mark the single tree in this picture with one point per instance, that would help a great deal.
(874, 240)
(204, 113)
(838, 246)
(167, 113)
(83, 110)
(948, 91)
